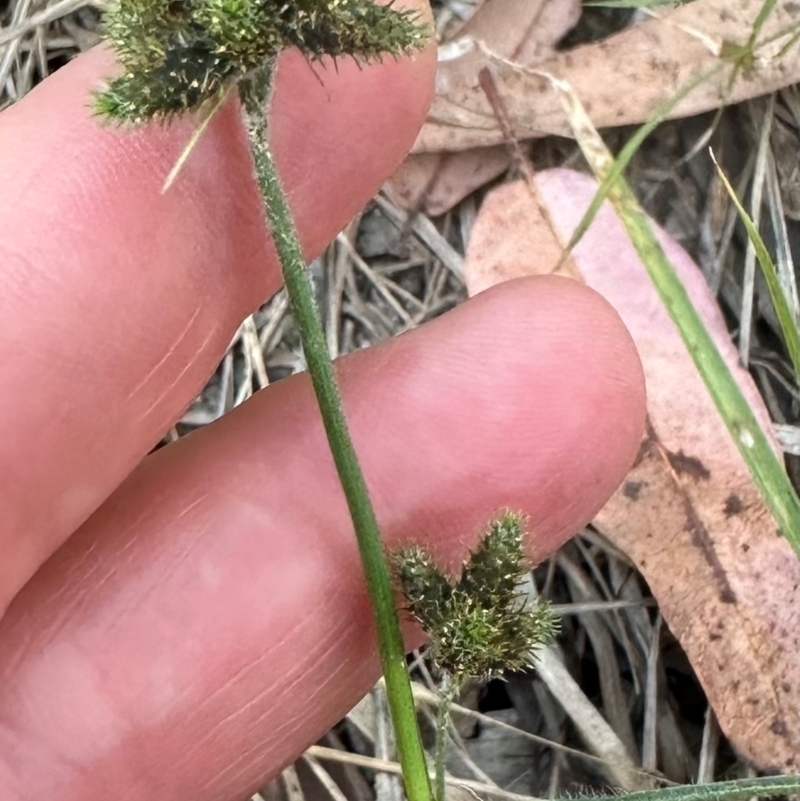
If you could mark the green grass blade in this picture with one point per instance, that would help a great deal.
(789, 326)
(633, 3)
(764, 465)
(628, 152)
(763, 15)
(738, 790)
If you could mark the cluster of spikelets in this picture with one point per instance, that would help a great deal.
(480, 625)
(177, 55)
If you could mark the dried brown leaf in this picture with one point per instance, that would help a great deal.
(688, 514)
(435, 182)
(620, 81)
(525, 31)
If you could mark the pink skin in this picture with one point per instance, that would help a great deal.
(119, 301)
(209, 620)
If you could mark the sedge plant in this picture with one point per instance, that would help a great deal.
(190, 56)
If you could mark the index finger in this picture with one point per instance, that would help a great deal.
(120, 300)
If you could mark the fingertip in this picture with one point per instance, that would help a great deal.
(544, 403)
(217, 597)
(597, 360)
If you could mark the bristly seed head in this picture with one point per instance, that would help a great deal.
(480, 625)
(178, 55)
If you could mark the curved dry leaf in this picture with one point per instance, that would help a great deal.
(688, 514)
(526, 31)
(435, 182)
(622, 80)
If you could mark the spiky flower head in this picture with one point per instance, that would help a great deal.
(480, 625)
(178, 55)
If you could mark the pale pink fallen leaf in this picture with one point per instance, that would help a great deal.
(525, 31)
(688, 514)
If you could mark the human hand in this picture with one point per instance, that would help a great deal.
(209, 620)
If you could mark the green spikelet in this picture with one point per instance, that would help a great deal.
(481, 625)
(178, 55)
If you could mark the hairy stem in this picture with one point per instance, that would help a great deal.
(738, 790)
(254, 94)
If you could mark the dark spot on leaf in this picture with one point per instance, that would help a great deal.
(688, 465)
(733, 505)
(631, 490)
(778, 727)
(701, 539)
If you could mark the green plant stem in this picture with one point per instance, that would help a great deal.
(739, 790)
(376, 571)
(627, 153)
(789, 325)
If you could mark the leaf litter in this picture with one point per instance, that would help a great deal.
(621, 80)
(525, 31)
